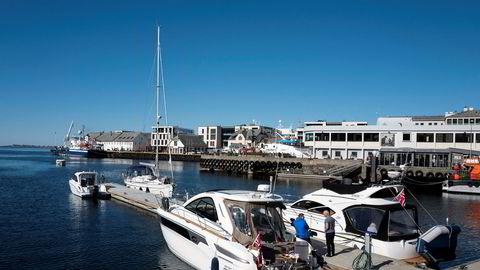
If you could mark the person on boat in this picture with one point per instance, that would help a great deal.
(329, 233)
(372, 229)
(301, 228)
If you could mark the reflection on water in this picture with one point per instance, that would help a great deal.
(44, 226)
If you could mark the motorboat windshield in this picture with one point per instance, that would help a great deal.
(384, 222)
(135, 171)
(250, 219)
(87, 179)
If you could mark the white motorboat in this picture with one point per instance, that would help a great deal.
(396, 232)
(142, 177)
(233, 229)
(85, 185)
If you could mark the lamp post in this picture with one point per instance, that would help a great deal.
(471, 137)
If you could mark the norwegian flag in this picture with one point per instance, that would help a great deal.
(400, 197)
(257, 242)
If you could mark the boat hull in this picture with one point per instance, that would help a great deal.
(82, 192)
(463, 187)
(164, 190)
(182, 236)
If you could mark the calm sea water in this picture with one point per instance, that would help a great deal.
(44, 226)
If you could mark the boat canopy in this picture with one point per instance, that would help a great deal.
(139, 170)
(390, 222)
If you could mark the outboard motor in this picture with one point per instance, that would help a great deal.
(439, 243)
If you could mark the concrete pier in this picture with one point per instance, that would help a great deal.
(137, 198)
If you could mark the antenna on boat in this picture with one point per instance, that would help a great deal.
(160, 68)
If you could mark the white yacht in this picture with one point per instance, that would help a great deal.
(85, 185)
(143, 177)
(233, 229)
(396, 234)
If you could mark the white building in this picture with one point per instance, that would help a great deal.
(427, 134)
(212, 136)
(187, 143)
(122, 140)
(162, 136)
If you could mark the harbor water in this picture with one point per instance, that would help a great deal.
(44, 226)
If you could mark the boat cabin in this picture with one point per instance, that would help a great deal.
(140, 170)
(243, 214)
(85, 178)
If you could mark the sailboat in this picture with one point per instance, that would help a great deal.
(146, 176)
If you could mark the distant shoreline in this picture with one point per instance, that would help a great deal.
(26, 146)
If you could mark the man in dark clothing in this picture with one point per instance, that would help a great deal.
(329, 233)
(301, 228)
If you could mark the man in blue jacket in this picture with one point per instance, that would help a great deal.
(301, 228)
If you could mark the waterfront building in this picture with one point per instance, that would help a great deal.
(188, 143)
(212, 136)
(259, 128)
(163, 134)
(122, 140)
(425, 141)
(249, 138)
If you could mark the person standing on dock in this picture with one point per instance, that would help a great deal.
(301, 228)
(329, 233)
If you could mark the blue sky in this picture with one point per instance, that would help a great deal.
(229, 62)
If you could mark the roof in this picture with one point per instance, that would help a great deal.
(428, 118)
(129, 136)
(247, 196)
(251, 135)
(190, 140)
(473, 113)
(109, 136)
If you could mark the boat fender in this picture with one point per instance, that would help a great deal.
(419, 174)
(469, 184)
(439, 176)
(410, 174)
(299, 165)
(215, 265)
(476, 184)
(430, 175)
(383, 172)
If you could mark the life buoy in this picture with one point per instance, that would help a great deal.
(419, 174)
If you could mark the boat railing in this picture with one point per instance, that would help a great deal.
(204, 223)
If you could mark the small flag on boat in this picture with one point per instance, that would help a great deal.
(257, 241)
(400, 197)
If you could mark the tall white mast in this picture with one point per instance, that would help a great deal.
(158, 89)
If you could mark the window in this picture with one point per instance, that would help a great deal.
(463, 137)
(325, 153)
(416, 124)
(406, 137)
(401, 223)
(321, 209)
(338, 137)
(449, 121)
(444, 137)
(306, 204)
(477, 138)
(460, 121)
(354, 154)
(466, 121)
(477, 121)
(354, 137)
(203, 207)
(240, 219)
(454, 121)
(338, 153)
(308, 137)
(425, 137)
(362, 217)
(322, 137)
(429, 124)
(421, 124)
(435, 124)
(371, 137)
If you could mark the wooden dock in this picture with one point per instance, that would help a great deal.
(137, 198)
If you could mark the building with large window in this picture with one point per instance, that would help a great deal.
(212, 136)
(163, 134)
(425, 140)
